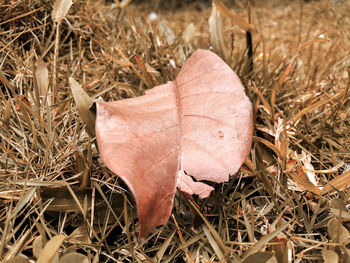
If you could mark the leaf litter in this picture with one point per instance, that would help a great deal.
(286, 196)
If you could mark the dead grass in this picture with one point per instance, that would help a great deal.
(54, 184)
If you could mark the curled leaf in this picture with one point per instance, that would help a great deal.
(198, 127)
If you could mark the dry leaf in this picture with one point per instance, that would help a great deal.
(199, 126)
(60, 10)
(42, 76)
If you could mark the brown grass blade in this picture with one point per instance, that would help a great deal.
(159, 256)
(314, 106)
(184, 245)
(270, 145)
(216, 34)
(303, 181)
(18, 246)
(213, 244)
(220, 6)
(23, 202)
(311, 42)
(264, 240)
(74, 257)
(263, 100)
(96, 43)
(149, 80)
(213, 232)
(340, 182)
(83, 102)
(20, 16)
(261, 257)
(42, 77)
(4, 80)
(7, 113)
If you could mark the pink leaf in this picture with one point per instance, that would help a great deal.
(198, 126)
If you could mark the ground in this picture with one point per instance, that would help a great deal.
(289, 198)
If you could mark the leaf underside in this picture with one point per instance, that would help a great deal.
(199, 125)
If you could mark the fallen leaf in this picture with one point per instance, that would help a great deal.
(196, 127)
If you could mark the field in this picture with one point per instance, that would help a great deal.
(60, 203)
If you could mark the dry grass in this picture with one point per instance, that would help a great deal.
(54, 186)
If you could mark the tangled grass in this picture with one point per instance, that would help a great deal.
(289, 203)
